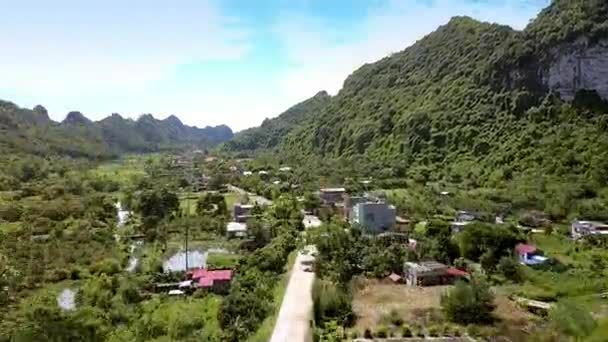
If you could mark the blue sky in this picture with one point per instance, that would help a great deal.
(209, 61)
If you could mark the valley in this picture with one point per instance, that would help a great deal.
(456, 190)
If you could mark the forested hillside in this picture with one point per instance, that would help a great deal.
(270, 133)
(31, 131)
(475, 103)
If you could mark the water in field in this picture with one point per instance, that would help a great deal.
(177, 262)
(67, 300)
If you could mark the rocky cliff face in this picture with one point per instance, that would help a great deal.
(576, 66)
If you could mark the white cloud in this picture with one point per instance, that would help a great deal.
(61, 52)
(321, 61)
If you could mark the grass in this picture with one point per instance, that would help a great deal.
(9, 228)
(231, 198)
(187, 201)
(222, 261)
(123, 170)
(264, 332)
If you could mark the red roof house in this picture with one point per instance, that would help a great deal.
(525, 249)
(217, 280)
(453, 271)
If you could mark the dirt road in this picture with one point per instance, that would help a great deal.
(293, 323)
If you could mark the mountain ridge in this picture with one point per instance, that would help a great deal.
(33, 131)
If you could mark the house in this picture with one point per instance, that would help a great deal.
(529, 255)
(242, 212)
(247, 173)
(217, 281)
(236, 229)
(285, 169)
(580, 229)
(429, 273)
(463, 219)
(311, 221)
(374, 217)
(332, 196)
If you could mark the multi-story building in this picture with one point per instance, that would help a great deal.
(373, 216)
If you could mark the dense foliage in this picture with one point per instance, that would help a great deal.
(466, 105)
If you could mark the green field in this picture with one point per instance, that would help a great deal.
(122, 171)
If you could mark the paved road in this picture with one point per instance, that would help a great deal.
(252, 197)
(293, 322)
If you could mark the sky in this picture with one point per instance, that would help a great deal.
(209, 62)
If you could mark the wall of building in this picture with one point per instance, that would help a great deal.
(377, 217)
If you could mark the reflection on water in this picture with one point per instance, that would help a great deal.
(67, 300)
(177, 262)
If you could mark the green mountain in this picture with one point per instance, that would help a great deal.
(474, 101)
(31, 131)
(272, 131)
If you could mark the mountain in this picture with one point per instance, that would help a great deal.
(270, 133)
(32, 131)
(473, 101)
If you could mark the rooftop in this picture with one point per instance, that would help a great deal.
(205, 278)
(525, 249)
(333, 190)
(426, 266)
(236, 227)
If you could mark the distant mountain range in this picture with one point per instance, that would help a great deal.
(33, 131)
(472, 100)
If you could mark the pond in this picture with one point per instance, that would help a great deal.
(67, 300)
(177, 262)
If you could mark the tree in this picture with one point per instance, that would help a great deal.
(468, 303)
(8, 278)
(571, 320)
(259, 233)
(510, 268)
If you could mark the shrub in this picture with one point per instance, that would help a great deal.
(433, 332)
(367, 333)
(468, 302)
(472, 330)
(395, 318)
(406, 331)
(354, 334)
(508, 267)
(382, 332)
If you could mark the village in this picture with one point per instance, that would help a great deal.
(418, 284)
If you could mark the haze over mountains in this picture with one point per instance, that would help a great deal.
(32, 131)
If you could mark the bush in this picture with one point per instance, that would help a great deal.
(406, 331)
(508, 267)
(433, 332)
(331, 302)
(354, 335)
(395, 318)
(472, 330)
(382, 332)
(367, 334)
(468, 302)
